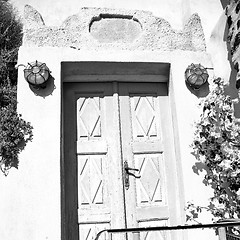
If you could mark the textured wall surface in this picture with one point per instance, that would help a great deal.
(139, 30)
(31, 205)
(54, 12)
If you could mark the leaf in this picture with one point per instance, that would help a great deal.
(216, 144)
(13, 128)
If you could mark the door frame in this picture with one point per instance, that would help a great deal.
(90, 71)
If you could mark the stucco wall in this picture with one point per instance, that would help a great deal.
(92, 29)
(31, 205)
(33, 192)
(55, 12)
(209, 12)
(176, 12)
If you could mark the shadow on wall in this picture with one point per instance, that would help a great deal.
(200, 93)
(46, 91)
(224, 3)
(220, 51)
(214, 151)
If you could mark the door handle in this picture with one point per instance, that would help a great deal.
(127, 173)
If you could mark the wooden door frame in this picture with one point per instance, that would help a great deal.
(88, 71)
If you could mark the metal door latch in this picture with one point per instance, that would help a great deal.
(127, 173)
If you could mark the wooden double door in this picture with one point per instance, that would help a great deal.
(118, 161)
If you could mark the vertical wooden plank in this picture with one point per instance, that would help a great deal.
(115, 179)
(92, 157)
(126, 140)
(70, 164)
(144, 112)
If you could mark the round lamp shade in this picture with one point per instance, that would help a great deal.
(37, 74)
(196, 75)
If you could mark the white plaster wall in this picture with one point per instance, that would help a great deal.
(31, 205)
(187, 110)
(177, 12)
(218, 49)
(213, 21)
(209, 11)
(214, 25)
(54, 12)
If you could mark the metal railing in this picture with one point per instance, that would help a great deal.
(224, 229)
(229, 232)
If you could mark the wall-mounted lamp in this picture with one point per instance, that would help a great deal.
(37, 74)
(196, 76)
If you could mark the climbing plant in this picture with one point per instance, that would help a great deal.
(15, 132)
(217, 146)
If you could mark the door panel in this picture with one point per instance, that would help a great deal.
(94, 166)
(150, 187)
(92, 161)
(105, 125)
(99, 160)
(142, 111)
(156, 235)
